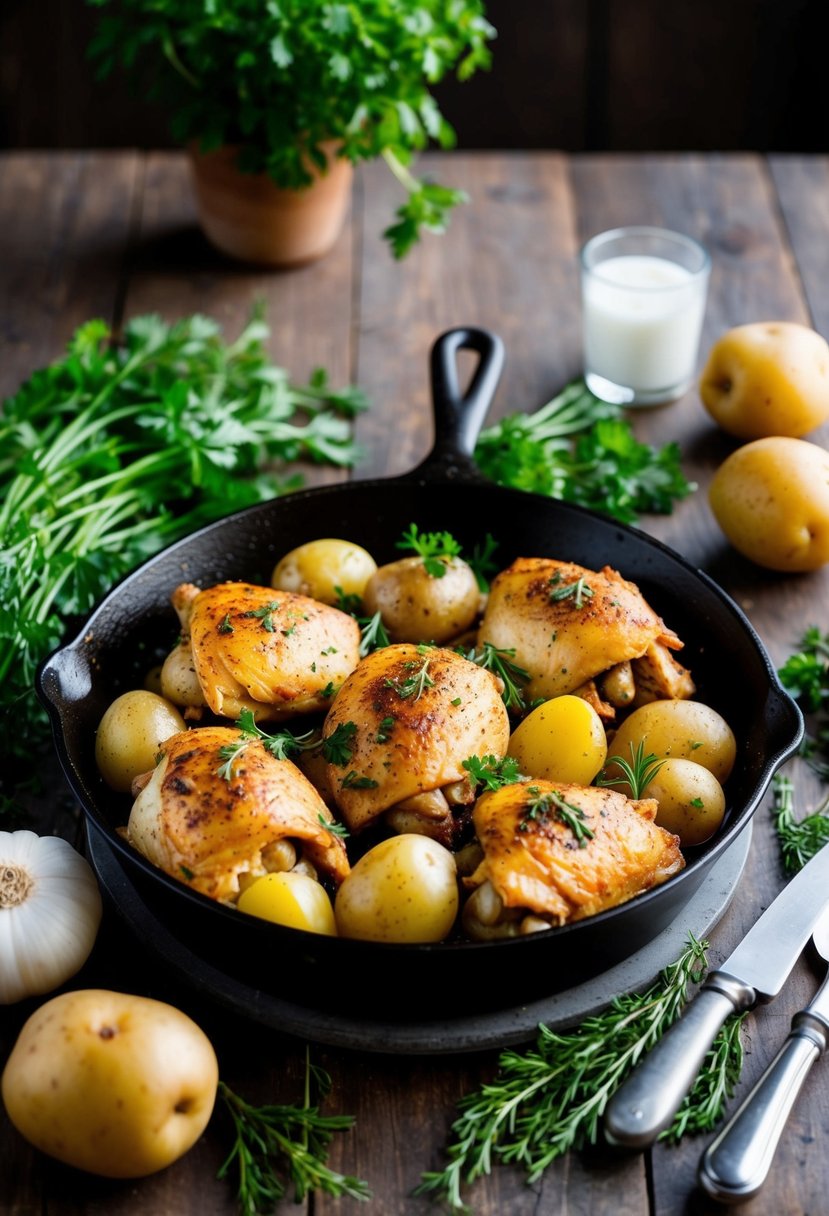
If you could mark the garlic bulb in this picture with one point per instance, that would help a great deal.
(50, 910)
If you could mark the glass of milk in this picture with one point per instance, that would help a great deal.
(643, 299)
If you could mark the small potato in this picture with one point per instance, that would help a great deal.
(319, 567)
(416, 606)
(684, 730)
(405, 889)
(130, 733)
(691, 801)
(291, 899)
(561, 740)
(771, 499)
(767, 378)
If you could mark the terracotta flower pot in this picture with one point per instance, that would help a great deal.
(250, 218)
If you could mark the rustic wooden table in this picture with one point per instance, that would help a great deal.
(114, 235)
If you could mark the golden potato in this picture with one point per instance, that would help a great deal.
(416, 606)
(405, 889)
(683, 730)
(771, 499)
(768, 378)
(321, 567)
(691, 801)
(130, 734)
(290, 898)
(561, 740)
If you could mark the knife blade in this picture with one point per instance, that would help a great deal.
(734, 1166)
(756, 970)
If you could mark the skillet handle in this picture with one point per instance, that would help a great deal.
(459, 416)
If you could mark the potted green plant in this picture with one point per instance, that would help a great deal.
(277, 99)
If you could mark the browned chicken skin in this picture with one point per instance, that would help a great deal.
(246, 647)
(210, 832)
(418, 712)
(536, 863)
(568, 624)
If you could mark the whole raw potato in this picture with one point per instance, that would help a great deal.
(771, 499)
(113, 1084)
(769, 378)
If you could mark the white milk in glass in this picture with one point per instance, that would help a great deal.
(642, 321)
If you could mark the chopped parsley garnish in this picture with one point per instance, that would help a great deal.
(492, 773)
(265, 615)
(329, 690)
(384, 729)
(353, 781)
(225, 625)
(337, 748)
(697, 802)
(187, 872)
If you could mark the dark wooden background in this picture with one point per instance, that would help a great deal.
(571, 74)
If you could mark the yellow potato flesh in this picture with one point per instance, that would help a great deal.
(403, 890)
(771, 499)
(113, 1084)
(561, 740)
(130, 734)
(767, 378)
(321, 567)
(295, 900)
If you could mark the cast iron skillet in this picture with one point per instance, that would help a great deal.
(134, 627)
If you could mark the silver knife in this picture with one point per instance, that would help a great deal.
(647, 1101)
(735, 1164)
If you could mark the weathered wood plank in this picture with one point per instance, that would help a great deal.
(802, 184)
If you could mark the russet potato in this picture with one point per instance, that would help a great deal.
(771, 499)
(767, 378)
(113, 1084)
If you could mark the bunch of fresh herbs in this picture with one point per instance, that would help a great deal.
(581, 449)
(806, 675)
(123, 446)
(550, 1099)
(280, 80)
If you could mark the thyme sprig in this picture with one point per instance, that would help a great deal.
(637, 773)
(276, 1145)
(500, 663)
(415, 684)
(799, 839)
(550, 1099)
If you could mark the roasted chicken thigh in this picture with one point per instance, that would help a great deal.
(569, 625)
(213, 822)
(555, 853)
(408, 717)
(246, 647)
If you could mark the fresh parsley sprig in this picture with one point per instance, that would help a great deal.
(806, 675)
(491, 772)
(339, 745)
(281, 745)
(550, 1099)
(276, 1145)
(435, 548)
(581, 449)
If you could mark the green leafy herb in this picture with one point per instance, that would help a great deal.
(415, 684)
(332, 826)
(552, 805)
(337, 748)
(492, 773)
(224, 625)
(187, 872)
(329, 690)
(435, 548)
(500, 663)
(580, 449)
(265, 615)
(346, 602)
(274, 1145)
(373, 634)
(282, 81)
(353, 781)
(91, 447)
(281, 745)
(483, 562)
(578, 591)
(637, 773)
(800, 839)
(550, 1099)
(384, 730)
(806, 675)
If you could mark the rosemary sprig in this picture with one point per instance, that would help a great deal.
(415, 684)
(636, 774)
(373, 634)
(703, 1105)
(578, 591)
(552, 805)
(500, 663)
(272, 1142)
(550, 1099)
(799, 840)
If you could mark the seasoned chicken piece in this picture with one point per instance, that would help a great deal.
(562, 852)
(244, 647)
(658, 677)
(408, 717)
(568, 624)
(211, 825)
